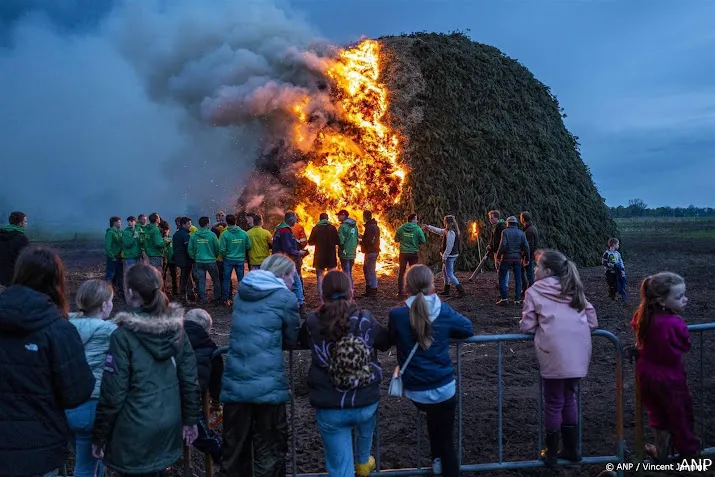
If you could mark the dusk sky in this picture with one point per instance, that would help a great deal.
(636, 79)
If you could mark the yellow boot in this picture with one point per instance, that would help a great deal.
(363, 470)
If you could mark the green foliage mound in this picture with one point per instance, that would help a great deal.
(480, 132)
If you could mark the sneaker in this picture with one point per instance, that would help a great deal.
(363, 470)
(503, 301)
(437, 467)
(517, 302)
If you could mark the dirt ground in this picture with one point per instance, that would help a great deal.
(694, 258)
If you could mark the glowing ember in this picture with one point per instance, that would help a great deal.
(355, 167)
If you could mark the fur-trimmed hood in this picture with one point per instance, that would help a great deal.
(159, 334)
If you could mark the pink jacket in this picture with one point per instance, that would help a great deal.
(563, 334)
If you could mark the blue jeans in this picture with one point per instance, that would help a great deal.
(347, 265)
(128, 262)
(369, 269)
(80, 421)
(115, 273)
(335, 426)
(298, 288)
(319, 274)
(228, 267)
(157, 262)
(448, 271)
(212, 269)
(504, 269)
(528, 274)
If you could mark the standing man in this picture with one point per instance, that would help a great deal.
(513, 250)
(131, 243)
(184, 261)
(142, 225)
(498, 226)
(113, 241)
(12, 241)
(410, 237)
(284, 242)
(154, 243)
(233, 247)
(203, 250)
(261, 242)
(218, 229)
(532, 238)
(324, 237)
(370, 246)
(348, 235)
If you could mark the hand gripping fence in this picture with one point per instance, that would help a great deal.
(188, 470)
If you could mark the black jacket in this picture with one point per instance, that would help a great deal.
(180, 242)
(325, 238)
(11, 244)
(513, 246)
(532, 238)
(43, 371)
(497, 229)
(371, 238)
(209, 369)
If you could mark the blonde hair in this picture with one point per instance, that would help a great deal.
(201, 317)
(450, 223)
(279, 265)
(420, 282)
(653, 289)
(91, 295)
(566, 271)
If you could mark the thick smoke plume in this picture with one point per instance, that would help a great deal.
(164, 106)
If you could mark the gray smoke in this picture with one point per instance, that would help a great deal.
(165, 107)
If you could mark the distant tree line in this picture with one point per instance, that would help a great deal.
(638, 208)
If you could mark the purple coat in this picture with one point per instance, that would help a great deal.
(660, 360)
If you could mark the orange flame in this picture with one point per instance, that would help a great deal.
(356, 168)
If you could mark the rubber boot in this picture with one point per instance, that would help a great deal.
(550, 453)
(445, 292)
(363, 470)
(662, 445)
(460, 292)
(569, 434)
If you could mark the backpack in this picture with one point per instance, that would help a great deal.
(349, 363)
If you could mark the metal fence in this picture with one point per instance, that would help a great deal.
(500, 464)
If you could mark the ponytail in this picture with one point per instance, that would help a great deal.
(653, 289)
(420, 282)
(334, 315)
(567, 273)
(146, 281)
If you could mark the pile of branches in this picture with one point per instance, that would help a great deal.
(480, 132)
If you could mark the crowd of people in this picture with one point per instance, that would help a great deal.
(124, 389)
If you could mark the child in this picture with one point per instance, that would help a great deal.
(615, 270)
(149, 401)
(556, 310)
(94, 299)
(197, 324)
(422, 329)
(661, 338)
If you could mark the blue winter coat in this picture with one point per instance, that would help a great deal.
(265, 321)
(94, 334)
(431, 368)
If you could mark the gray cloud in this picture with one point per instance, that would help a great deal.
(124, 119)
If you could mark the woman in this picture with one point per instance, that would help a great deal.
(423, 329)
(149, 401)
(42, 365)
(255, 388)
(449, 251)
(345, 376)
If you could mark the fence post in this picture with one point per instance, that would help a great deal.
(208, 463)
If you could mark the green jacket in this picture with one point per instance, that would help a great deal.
(113, 243)
(153, 241)
(132, 246)
(234, 244)
(203, 246)
(149, 392)
(142, 233)
(348, 235)
(410, 236)
(169, 251)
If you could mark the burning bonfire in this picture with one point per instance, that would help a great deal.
(354, 166)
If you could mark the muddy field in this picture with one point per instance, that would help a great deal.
(685, 248)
